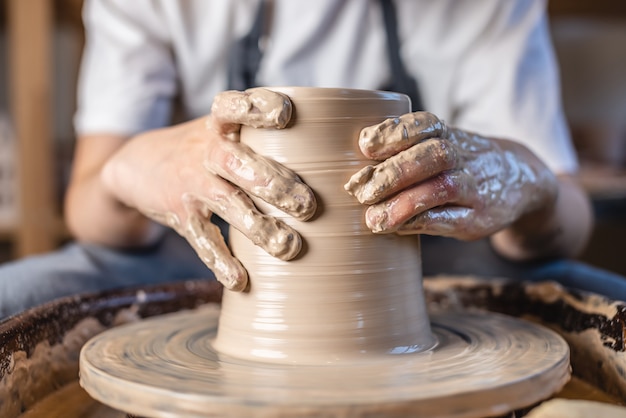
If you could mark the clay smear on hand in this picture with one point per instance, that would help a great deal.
(232, 173)
(260, 176)
(264, 178)
(274, 236)
(388, 140)
(258, 108)
(446, 181)
(256, 175)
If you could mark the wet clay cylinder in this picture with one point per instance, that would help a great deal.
(350, 295)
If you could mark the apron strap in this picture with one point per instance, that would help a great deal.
(401, 82)
(244, 60)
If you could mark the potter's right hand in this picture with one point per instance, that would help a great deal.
(180, 175)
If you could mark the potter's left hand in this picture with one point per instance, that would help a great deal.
(439, 180)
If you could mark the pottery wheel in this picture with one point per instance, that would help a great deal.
(485, 364)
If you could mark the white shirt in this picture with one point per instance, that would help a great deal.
(481, 65)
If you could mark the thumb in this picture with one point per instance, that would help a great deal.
(258, 108)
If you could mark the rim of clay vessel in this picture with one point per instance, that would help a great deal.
(350, 295)
(372, 103)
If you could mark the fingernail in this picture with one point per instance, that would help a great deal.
(306, 203)
(366, 135)
(235, 282)
(285, 245)
(376, 218)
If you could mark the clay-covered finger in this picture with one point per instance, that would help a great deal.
(258, 108)
(206, 239)
(274, 236)
(237, 209)
(264, 178)
(448, 221)
(391, 136)
(422, 161)
(399, 210)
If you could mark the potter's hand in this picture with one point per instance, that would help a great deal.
(439, 180)
(180, 175)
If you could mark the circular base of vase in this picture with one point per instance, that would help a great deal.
(484, 365)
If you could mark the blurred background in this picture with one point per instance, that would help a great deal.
(40, 48)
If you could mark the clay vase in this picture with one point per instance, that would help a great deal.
(350, 295)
